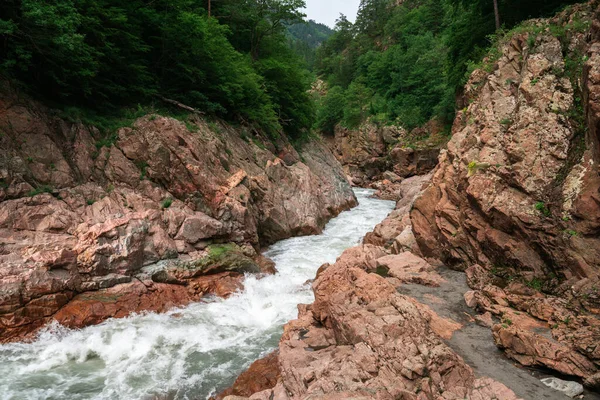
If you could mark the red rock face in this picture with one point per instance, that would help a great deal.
(536, 329)
(503, 204)
(262, 375)
(82, 213)
(119, 301)
(370, 153)
(514, 187)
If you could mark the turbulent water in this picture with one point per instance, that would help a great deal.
(188, 353)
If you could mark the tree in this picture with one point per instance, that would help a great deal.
(497, 14)
(252, 21)
(372, 16)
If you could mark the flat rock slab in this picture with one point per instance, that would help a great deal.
(409, 268)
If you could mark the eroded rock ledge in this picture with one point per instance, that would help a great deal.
(99, 226)
(381, 156)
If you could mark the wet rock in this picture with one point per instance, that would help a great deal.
(122, 300)
(214, 260)
(261, 375)
(569, 388)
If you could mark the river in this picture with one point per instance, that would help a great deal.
(187, 353)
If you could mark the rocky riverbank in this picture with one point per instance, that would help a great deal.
(155, 215)
(492, 259)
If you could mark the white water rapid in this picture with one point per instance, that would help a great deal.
(188, 353)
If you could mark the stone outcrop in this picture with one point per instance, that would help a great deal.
(519, 183)
(516, 197)
(371, 153)
(361, 338)
(82, 210)
(536, 329)
(262, 375)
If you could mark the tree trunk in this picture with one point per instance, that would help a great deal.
(496, 14)
(209, 8)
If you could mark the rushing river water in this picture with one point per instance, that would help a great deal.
(188, 353)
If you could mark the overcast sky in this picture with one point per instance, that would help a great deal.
(327, 11)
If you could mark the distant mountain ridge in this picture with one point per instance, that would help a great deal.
(305, 38)
(311, 32)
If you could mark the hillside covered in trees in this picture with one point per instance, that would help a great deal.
(96, 58)
(406, 62)
(306, 38)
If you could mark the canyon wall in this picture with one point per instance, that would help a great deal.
(371, 150)
(518, 187)
(149, 217)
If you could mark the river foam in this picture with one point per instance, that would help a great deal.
(187, 353)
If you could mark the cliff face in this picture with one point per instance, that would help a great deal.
(370, 151)
(519, 184)
(80, 214)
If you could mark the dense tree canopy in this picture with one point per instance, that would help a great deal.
(306, 37)
(408, 61)
(106, 54)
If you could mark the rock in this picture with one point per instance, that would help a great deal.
(470, 299)
(262, 375)
(410, 162)
(214, 260)
(386, 233)
(478, 277)
(122, 300)
(361, 338)
(485, 319)
(511, 189)
(389, 175)
(408, 268)
(158, 193)
(364, 152)
(593, 381)
(198, 227)
(532, 349)
(570, 388)
(489, 389)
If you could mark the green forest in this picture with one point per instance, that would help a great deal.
(103, 55)
(253, 61)
(306, 38)
(407, 64)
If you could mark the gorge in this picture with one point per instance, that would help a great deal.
(189, 352)
(423, 223)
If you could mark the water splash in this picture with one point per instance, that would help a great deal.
(187, 353)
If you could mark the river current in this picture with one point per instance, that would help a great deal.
(187, 353)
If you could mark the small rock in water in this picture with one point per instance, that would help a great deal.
(570, 388)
